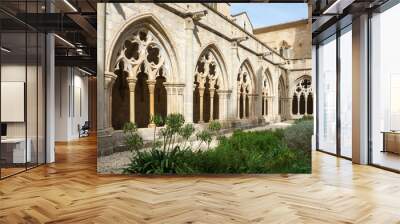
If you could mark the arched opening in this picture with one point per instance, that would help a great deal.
(266, 89)
(262, 106)
(143, 59)
(281, 95)
(142, 102)
(302, 104)
(206, 85)
(120, 102)
(305, 99)
(310, 104)
(241, 105)
(216, 105)
(160, 97)
(245, 95)
(295, 105)
(247, 106)
(196, 104)
(207, 102)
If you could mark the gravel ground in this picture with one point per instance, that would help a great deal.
(114, 164)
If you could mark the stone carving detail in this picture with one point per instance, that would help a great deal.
(244, 81)
(244, 90)
(207, 70)
(143, 52)
(303, 87)
(303, 90)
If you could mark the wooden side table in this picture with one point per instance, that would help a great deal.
(391, 141)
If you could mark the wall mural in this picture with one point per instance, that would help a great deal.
(188, 95)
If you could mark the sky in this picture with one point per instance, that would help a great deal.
(267, 14)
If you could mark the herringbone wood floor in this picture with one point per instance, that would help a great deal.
(70, 191)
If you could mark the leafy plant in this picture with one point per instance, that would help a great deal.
(243, 152)
(271, 151)
(204, 136)
(158, 121)
(173, 125)
(132, 138)
(186, 132)
(298, 136)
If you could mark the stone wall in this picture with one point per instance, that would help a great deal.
(296, 34)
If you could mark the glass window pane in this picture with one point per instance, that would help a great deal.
(327, 95)
(41, 98)
(346, 93)
(31, 98)
(385, 89)
(13, 86)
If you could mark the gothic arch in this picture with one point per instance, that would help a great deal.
(210, 78)
(246, 90)
(302, 103)
(266, 92)
(212, 47)
(150, 22)
(143, 56)
(283, 96)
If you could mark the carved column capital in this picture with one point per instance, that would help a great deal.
(151, 84)
(131, 83)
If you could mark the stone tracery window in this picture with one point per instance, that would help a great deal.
(207, 81)
(266, 91)
(302, 97)
(244, 91)
(144, 65)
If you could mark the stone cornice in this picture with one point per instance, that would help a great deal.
(184, 15)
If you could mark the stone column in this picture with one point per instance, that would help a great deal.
(275, 107)
(283, 108)
(234, 70)
(189, 70)
(290, 106)
(223, 106)
(170, 97)
(270, 107)
(180, 101)
(109, 79)
(151, 84)
(132, 86)
(201, 94)
(171, 104)
(212, 104)
(251, 109)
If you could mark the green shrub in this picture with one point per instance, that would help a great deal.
(132, 139)
(157, 161)
(298, 136)
(271, 151)
(304, 118)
